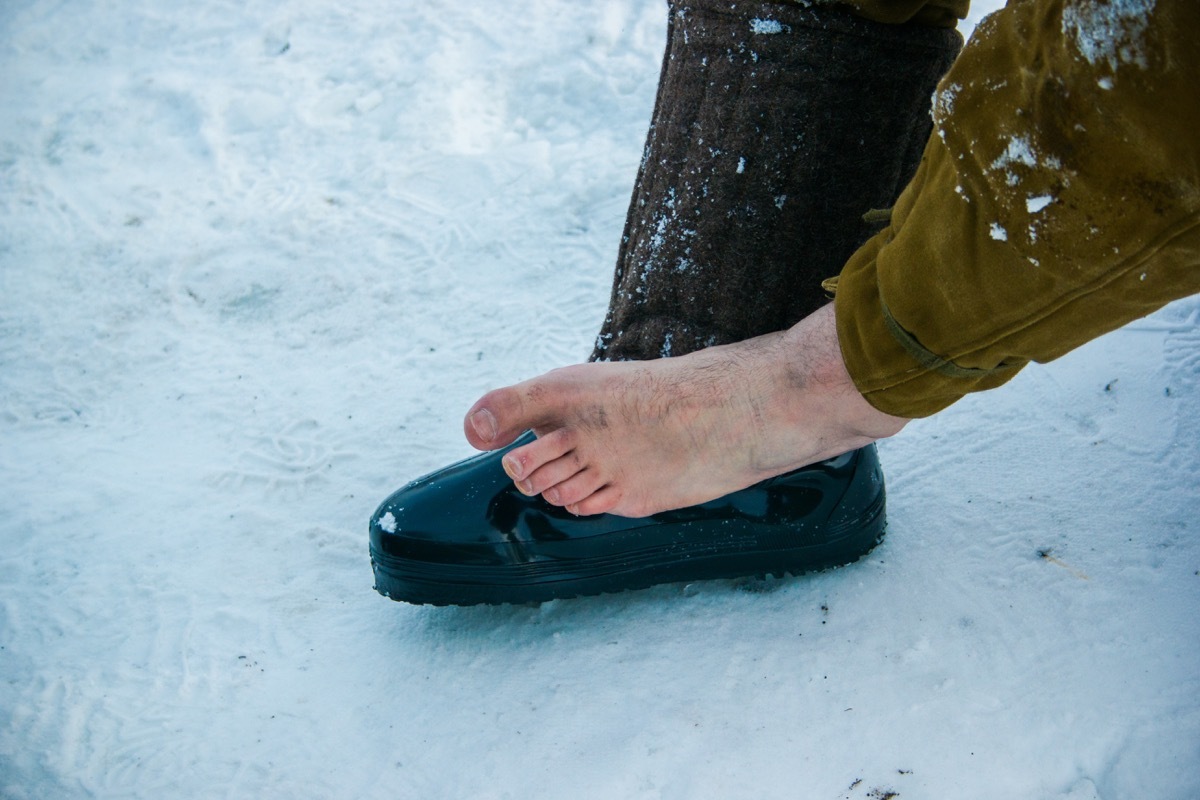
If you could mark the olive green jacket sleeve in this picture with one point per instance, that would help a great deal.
(1058, 199)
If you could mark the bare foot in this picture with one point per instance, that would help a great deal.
(639, 437)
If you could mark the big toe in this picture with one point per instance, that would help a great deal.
(497, 418)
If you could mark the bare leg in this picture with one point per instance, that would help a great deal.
(637, 438)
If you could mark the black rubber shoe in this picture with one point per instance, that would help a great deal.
(464, 535)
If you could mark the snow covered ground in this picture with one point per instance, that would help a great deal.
(256, 259)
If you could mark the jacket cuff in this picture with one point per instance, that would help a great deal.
(887, 362)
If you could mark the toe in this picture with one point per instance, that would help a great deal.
(575, 489)
(502, 415)
(552, 474)
(524, 463)
(600, 501)
(483, 426)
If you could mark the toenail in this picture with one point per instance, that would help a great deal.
(512, 466)
(525, 486)
(484, 424)
(551, 496)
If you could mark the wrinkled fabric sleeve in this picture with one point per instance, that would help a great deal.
(1058, 199)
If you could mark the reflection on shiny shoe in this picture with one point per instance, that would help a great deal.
(465, 535)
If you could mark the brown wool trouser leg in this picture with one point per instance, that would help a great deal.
(775, 129)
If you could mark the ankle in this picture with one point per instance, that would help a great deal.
(815, 368)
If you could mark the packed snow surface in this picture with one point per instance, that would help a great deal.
(257, 258)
